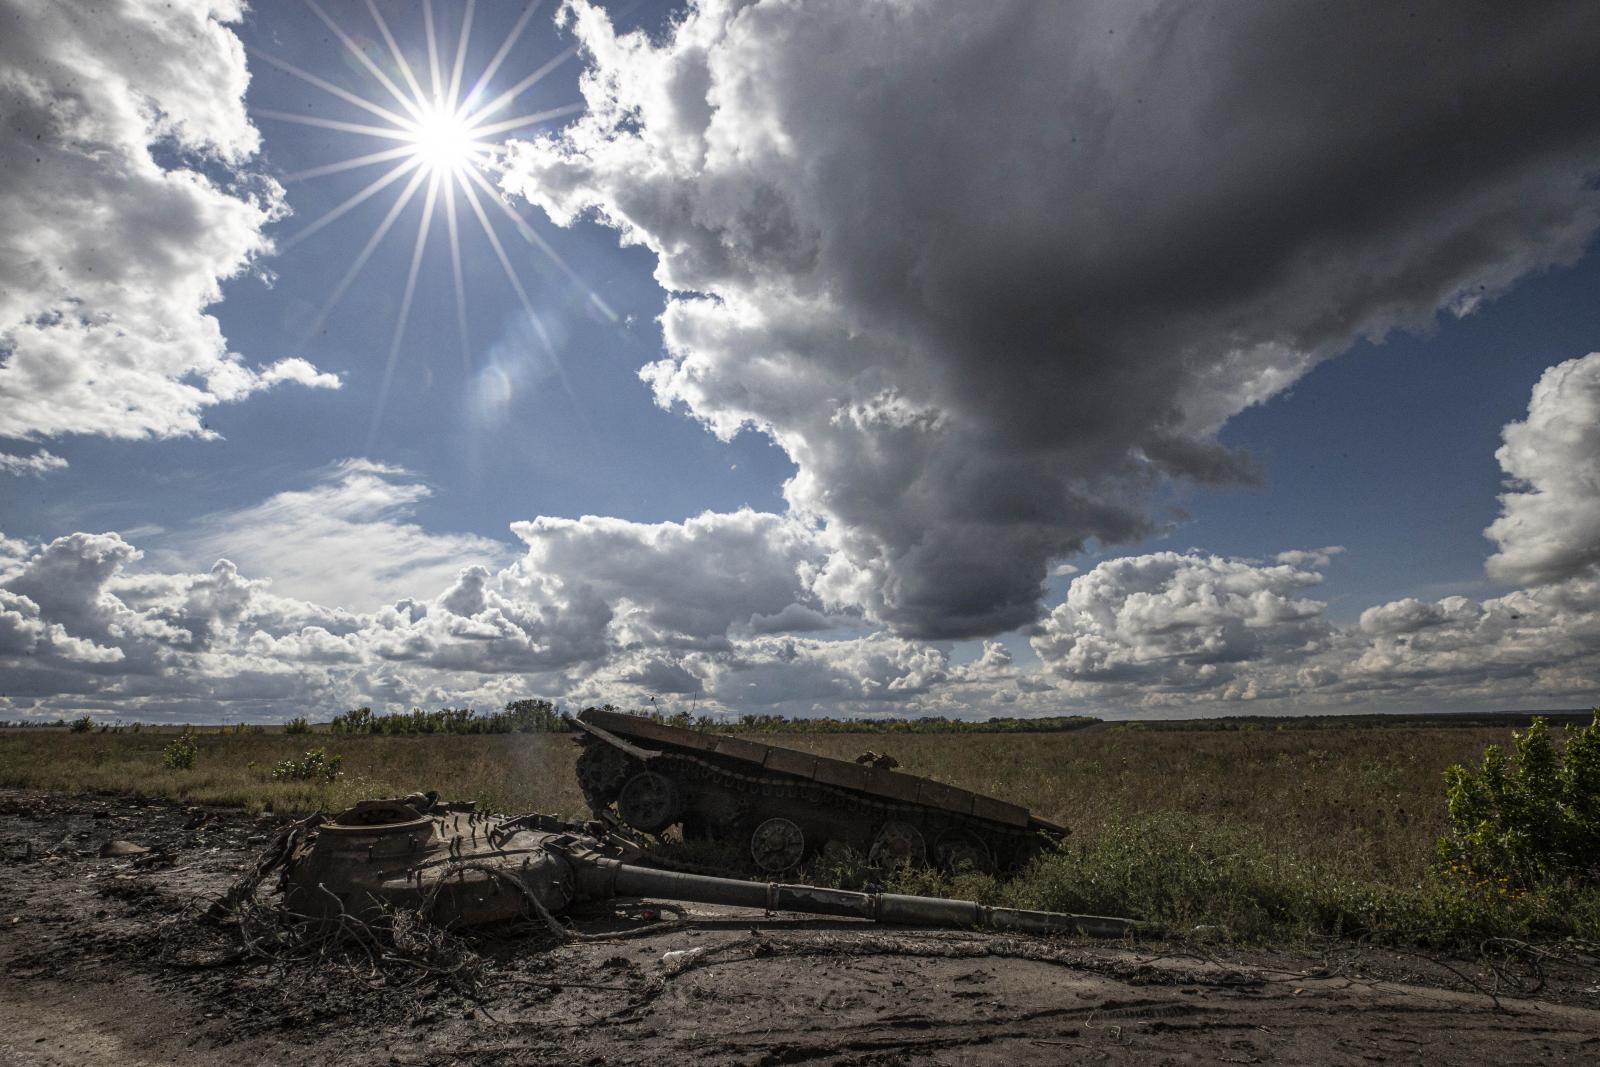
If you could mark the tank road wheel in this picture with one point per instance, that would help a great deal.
(898, 844)
(648, 802)
(958, 851)
(777, 845)
(601, 772)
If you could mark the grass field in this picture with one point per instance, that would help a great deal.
(1266, 832)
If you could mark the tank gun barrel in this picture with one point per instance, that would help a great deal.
(601, 877)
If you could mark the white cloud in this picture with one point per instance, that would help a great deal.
(39, 464)
(729, 612)
(990, 272)
(349, 541)
(1172, 622)
(1309, 557)
(114, 234)
(1549, 524)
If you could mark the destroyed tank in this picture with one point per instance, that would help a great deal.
(458, 867)
(781, 806)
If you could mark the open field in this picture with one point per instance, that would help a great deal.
(1294, 911)
(1342, 795)
(1269, 833)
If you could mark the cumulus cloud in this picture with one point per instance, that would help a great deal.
(671, 583)
(1549, 524)
(593, 607)
(1171, 622)
(990, 272)
(38, 464)
(124, 204)
(730, 612)
(1172, 628)
(349, 541)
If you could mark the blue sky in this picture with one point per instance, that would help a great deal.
(856, 365)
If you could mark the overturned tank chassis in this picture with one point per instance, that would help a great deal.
(784, 806)
(458, 867)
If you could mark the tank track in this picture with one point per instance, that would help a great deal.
(780, 794)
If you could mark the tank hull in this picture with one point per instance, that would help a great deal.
(781, 806)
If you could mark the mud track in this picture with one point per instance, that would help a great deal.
(101, 962)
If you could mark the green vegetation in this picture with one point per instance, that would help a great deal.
(82, 725)
(1180, 871)
(1532, 818)
(1264, 833)
(315, 766)
(297, 725)
(519, 717)
(180, 753)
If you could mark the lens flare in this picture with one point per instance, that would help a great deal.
(444, 141)
(440, 140)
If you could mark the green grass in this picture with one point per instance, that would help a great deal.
(1266, 833)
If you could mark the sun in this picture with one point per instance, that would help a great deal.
(441, 142)
(445, 141)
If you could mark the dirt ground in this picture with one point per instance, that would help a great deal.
(101, 962)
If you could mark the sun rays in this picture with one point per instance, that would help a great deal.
(436, 140)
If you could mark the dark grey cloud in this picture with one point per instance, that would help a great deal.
(990, 273)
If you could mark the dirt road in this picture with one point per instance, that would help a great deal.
(100, 963)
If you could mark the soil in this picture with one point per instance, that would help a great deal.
(103, 960)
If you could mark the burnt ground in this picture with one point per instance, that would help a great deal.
(102, 961)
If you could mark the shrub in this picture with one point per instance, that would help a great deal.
(315, 766)
(354, 721)
(181, 752)
(82, 725)
(297, 725)
(1529, 817)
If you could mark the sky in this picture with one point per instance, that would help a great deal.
(893, 358)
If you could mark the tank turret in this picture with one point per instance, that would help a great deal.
(460, 867)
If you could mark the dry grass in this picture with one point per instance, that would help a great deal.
(1369, 796)
(508, 772)
(1272, 833)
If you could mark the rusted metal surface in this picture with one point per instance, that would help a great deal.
(727, 787)
(459, 867)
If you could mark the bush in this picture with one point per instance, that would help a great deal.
(297, 725)
(82, 725)
(181, 753)
(1178, 871)
(315, 766)
(354, 721)
(1530, 817)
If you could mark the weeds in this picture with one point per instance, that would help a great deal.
(315, 766)
(181, 752)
